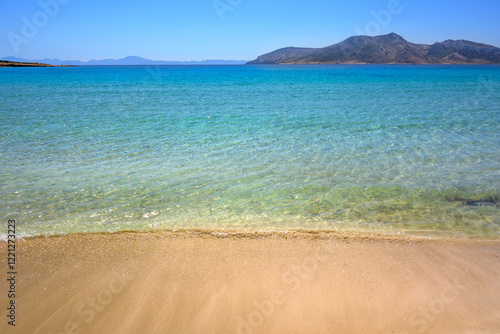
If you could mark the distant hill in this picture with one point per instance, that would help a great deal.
(386, 49)
(132, 60)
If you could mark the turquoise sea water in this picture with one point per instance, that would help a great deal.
(391, 148)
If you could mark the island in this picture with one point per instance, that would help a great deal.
(386, 49)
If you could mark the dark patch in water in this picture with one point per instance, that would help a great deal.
(480, 203)
(487, 201)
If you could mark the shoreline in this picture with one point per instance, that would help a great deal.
(180, 282)
(293, 233)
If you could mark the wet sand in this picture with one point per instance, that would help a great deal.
(194, 282)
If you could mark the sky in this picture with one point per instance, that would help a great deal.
(227, 29)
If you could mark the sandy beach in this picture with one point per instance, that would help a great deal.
(250, 282)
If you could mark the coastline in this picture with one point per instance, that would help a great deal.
(7, 63)
(255, 282)
(343, 233)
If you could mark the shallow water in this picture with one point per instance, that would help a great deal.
(385, 148)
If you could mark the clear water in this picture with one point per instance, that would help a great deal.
(392, 148)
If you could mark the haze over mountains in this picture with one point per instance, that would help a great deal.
(386, 49)
(132, 60)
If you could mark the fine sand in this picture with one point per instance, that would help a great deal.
(200, 282)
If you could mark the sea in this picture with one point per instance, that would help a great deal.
(390, 149)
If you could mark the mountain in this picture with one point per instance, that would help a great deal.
(132, 60)
(282, 54)
(386, 49)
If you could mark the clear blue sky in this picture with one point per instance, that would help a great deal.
(194, 30)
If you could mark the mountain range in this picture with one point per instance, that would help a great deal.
(386, 49)
(132, 60)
